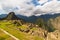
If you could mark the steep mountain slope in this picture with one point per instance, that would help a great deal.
(45, 25)
(56, 22)
(11, 16)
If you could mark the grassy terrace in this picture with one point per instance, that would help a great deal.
(4, 36)
(12, 29)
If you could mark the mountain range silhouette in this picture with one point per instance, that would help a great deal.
(12, 16)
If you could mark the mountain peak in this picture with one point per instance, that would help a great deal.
(11, 13)
(11, 16)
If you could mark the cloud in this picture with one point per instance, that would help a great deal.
(42, 1)
(51, 7)
(27, 8)
(1, 9)
(15, 5)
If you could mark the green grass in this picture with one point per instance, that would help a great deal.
(12, 29)
(23, 27)
(38, 38)
(14, 32)
(34, 28)
(4, 36)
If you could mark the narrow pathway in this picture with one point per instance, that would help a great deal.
(9, 34)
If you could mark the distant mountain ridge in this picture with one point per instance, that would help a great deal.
(3, 15)
(34, 18)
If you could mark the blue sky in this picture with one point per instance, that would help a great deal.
(35, 2)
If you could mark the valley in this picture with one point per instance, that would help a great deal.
(19, 29)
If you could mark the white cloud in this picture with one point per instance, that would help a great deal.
(42, 1)
(49, 7)
(21, 7)
(16, 5)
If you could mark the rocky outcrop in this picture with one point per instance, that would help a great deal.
(55, 22)
(53, 35)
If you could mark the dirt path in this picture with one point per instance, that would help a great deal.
(9, 34)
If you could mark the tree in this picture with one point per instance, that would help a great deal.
(40, 22)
